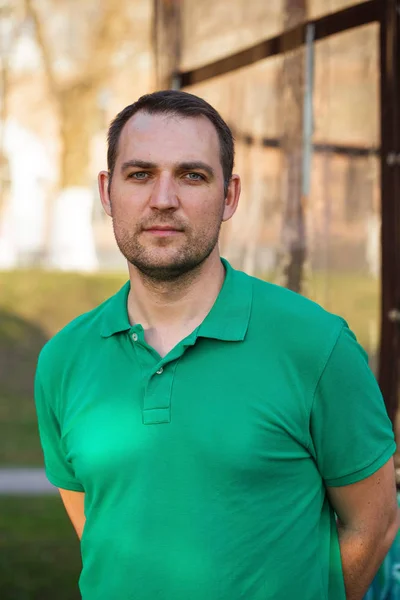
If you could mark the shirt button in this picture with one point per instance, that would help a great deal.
(134, 337)
(160, 371)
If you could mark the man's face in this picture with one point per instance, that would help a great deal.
(167, 193)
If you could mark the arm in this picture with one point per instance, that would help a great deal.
(368, 522)
(74, 505)
(59, 470)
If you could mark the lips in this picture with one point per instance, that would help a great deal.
(161, 228)
(162, 231)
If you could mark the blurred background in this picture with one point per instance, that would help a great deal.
(311, 90)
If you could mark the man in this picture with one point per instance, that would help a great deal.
(204, 427)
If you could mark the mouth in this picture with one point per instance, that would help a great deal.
(162, 230)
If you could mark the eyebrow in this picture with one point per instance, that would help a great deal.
(184, 166)
(140, 164)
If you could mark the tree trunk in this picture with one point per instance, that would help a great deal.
(292, 94)
(9, 14)
(4, 166)
(71, 236)
(79, 122)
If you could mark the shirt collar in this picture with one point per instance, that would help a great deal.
(115, 316)
(227, 320)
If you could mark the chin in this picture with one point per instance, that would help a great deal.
(165, 269)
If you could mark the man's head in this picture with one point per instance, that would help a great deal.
(169, 183)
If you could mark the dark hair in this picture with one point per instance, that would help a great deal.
(175, 103)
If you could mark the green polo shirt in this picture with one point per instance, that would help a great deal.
(204, 472)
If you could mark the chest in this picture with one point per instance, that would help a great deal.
(210, 411)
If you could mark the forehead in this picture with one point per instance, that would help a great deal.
(160, 137)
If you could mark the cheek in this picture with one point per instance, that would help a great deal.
(205, 210)
(125, 208)
(211, 215)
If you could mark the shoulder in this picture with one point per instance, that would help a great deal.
(289, 305)
(65, 345)
(295, 322)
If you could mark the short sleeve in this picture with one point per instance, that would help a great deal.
(58, 470)
(351, 433)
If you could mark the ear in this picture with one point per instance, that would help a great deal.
(103, 181)
(232, 198)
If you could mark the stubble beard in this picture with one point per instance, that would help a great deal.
(183, 264)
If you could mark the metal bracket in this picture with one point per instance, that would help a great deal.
(393, 159)
(394, 315)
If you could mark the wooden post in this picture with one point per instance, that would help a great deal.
(167, 42)
(389, 358)
(292, 106)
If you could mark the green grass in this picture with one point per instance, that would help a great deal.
(49, 300)
(34, 305)
(39, 550)
(19, 440)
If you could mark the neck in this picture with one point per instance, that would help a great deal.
(179, 304)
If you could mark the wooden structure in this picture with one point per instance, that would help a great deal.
(386, 14)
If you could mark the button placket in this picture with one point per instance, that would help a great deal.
(157, 397)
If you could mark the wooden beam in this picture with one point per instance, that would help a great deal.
(354, 16)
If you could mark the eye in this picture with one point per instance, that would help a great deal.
(139, 175)
(194, 176)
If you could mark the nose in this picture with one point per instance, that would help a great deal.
(164, 193)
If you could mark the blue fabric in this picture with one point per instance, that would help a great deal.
(386, 585)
